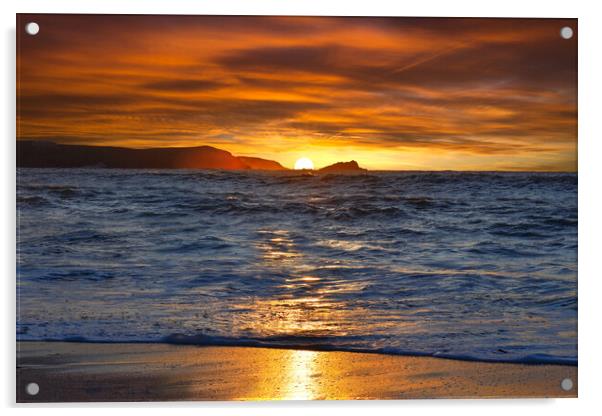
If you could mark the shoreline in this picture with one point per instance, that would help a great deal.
(88, 371)
(252, 343)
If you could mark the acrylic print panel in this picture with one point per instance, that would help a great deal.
(266, 208)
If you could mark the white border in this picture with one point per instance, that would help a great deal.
(590, 207)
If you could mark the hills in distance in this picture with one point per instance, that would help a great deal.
(44, 154)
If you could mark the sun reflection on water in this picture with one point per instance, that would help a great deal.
(302, 304)
(277, 247)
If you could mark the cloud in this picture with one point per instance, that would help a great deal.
(182, 85)
(466, 88)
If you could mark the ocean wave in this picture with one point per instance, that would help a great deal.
(346, 178)
(359, 212)
(34, 201)
(520, 230)
(77, 275)
(324, 344)
(497, 249)
(60, 191)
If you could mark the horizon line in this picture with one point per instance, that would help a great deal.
(518, 170)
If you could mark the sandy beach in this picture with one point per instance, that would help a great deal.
(159, 372)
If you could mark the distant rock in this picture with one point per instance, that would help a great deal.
(42, 154)
(257, 163)
(343, 167)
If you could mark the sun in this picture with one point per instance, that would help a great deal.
(304, 163)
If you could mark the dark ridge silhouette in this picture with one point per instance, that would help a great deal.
(261, 164)
(42, 154)
(343, 167)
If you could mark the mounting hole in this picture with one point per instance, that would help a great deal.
(567, 384)
(32, 389)
(32, 28)
(566, 32)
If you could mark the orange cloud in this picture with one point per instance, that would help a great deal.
(392, 93)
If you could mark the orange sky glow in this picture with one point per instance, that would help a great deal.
(391, 93)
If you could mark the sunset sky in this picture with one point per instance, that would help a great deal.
(391, 93)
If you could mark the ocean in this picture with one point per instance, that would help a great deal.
(467, 265)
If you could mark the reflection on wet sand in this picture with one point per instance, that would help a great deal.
(300, 372)
(159, 372)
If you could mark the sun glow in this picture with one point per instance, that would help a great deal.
(304, 163)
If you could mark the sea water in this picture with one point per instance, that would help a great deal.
(476, 265)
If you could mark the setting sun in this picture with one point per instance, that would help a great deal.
(304, 163)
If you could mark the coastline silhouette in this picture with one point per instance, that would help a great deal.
(46, 154)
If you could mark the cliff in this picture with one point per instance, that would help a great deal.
(52, 155)
(261, 164)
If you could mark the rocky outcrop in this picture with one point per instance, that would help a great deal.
(343, 167)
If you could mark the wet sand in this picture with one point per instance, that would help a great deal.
(159, 372)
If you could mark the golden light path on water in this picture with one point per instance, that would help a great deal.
(303, 309)
(305, 305)
(299, 382)
(306, 308)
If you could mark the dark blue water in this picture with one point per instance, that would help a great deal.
(468, 265)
